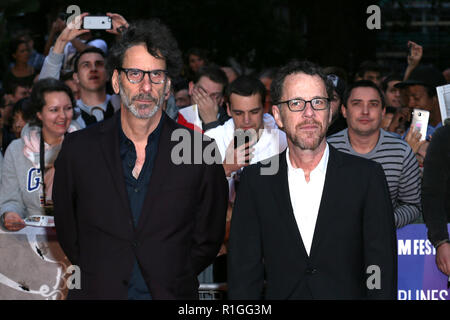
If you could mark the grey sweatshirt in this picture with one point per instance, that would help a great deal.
(20, 187)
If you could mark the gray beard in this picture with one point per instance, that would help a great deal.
(134, 109)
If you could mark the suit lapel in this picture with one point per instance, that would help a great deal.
(329, 198)
(109, 145)
(280, 189)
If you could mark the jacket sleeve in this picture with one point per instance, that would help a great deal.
(245, 260)
(10, 195)
(436, 174)
(64, 197)
(380, 241)
(210, 221)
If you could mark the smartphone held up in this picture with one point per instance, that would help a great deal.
(420, 122)
(97, 23)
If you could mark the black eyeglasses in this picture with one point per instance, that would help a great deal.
(299, 104)
(136, 75)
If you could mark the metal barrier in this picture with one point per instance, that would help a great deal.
(213, 291)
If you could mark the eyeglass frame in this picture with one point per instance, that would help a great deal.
(306, 102)
(126, 70)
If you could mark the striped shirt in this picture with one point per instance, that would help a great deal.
(400, 168)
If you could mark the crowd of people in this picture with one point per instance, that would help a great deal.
(87, 136)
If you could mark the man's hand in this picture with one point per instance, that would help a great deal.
(238, 158)
(118, 23)
(413, 139)
(207, 106)
(413, 58)
(13, 221)
(443, 258)
(70, 32)
(416, 54)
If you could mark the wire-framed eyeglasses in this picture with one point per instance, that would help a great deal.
(299, 104)
(136, 75)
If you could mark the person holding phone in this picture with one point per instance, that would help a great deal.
(26, 188)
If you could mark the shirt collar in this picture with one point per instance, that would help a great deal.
(88, 109)
(321, 167)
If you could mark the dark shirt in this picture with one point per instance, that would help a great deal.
(137, 190)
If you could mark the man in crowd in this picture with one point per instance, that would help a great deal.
(420, 90)
(364, 109)
(89, 74)
(298, 232)
(245, 107)
(338, 122)
(369, 70)
(207, 98)
(207, 92)
(139, 224)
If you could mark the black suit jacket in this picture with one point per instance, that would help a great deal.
(354, 230)
(178, 234)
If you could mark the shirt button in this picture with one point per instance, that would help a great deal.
(135, 244)
(136, 190)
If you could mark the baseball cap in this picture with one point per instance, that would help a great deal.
(427, 76)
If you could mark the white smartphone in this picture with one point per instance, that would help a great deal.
(97, 23)
(40, 221)
(420, 122)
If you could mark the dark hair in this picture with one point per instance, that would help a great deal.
(246, 86)
(368, 66)
(156, 37)
(363, 84)
(199, 52)
(389, 78)
(87, 50)
(12, 86)
(14, 44)
(294, 67)
(392, 110)
(66, 75)
(179, 84)
(23, 106)
(214, 73)
(37, 98)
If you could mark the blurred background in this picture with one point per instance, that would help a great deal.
(259, 34)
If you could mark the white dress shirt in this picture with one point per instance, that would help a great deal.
(306, 196)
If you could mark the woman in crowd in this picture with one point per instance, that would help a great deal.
(24, 189)
(21, 71)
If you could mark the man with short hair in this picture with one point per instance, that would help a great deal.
(364, 109)
(206, 91)
(138, 223)
(17, 90)
(245, 107)
(299, 233)
(369, 70)
(181, 93)
(89, 74)
(421, 93)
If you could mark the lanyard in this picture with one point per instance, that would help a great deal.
(42, 164)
